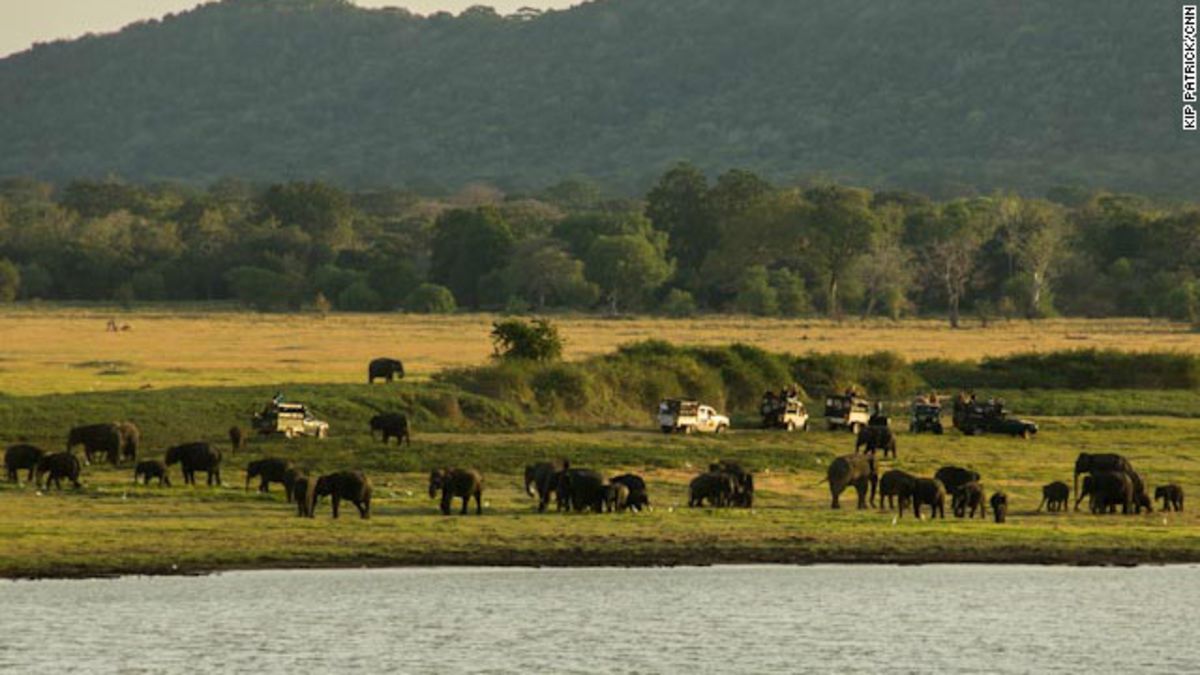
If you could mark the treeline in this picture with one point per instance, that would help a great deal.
(691, 244)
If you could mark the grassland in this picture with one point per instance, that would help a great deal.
(111, 526)
(63, 349)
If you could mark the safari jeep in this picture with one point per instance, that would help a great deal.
(688, 416)
(291, 420)
(788, 414)
(847, 412)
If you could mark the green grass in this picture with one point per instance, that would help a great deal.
(112, 526)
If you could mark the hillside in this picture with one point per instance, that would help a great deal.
(921, 94)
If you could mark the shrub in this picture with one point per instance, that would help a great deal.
(358, 297)
(561, 387)
(537, 340)
(678, 304)
(431, 299)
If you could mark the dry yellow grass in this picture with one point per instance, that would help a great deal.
(51, 350)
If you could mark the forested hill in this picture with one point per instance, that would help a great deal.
(929, 95)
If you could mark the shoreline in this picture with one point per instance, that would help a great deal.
(977, 558)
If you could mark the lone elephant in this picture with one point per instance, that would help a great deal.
(893, 484)
(1000, 507)
(925, 491)
(857, 471)
(875, 439)
(391, 425)
(268, 470)
(954, 477)
(582, 490)
(385, 369)
(352, 486)
(237, 439)
(97, 439)
(57, 466)
(193, 457)
(541, 481)
(462, 483)
(22, 456)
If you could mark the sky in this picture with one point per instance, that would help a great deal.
(24, 22)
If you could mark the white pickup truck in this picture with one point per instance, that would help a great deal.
(687, 416)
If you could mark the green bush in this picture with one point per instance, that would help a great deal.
(537, 340)
(431, 299)
(359, 297)
(561, 387)
(678, 304)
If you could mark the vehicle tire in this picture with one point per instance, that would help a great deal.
(791, 426)
(721, 429)
(1025, 434)
(832, 427)
(289, 433)
(667, 430)
(938, 430)
(805, 427)
(322, 433)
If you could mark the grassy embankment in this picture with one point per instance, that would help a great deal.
(518, 415)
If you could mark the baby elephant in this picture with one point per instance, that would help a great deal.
(1055, 496)
(616, 497)
(304, 492)
(1000, 507)
(969, 495)
(352, 486)
(924, 491)
(464, 483)
(1171, 496)
(151, 468)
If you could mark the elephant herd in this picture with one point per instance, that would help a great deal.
(581, 490)
(1109, 480)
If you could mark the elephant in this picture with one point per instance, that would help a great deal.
(151, 468)
(289, 481)
(581, 490)
(352, 486)
(1171, 496)
(304, 493)
(543, 477)
(968, 496)
(193, 457)
(853, 470)
(22, 456)
(1055, 496)
(716, 487)
(639, 498)
(892, 484)
(1110, 489)
(464, 483)
(1091, 463)
(743, 482)
(954, 477)
(57, 466)
(97, 439)
(1141, 499)
(1000, 507)
(929, 491)
(385, 369)
(131, 439)
(392, 425)
(237, 439)
(269, 470)
(616, 497)
(875, 439)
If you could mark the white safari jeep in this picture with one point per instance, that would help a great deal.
(688, 416)
(290, 419)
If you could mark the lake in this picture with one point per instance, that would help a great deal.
(722, 619)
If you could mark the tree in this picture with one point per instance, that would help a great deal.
(468, 247)
(886, 267)
(1037, 230)
(840, 225)
(678, 304)
(677, 205)
(542, 272)
(321, 210)
(790, 292)
(755, 294)
(10, 280)
(958, 233)
(265, 290)
(626, 268)
(537, 340)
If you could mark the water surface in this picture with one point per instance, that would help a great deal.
(844, 619)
